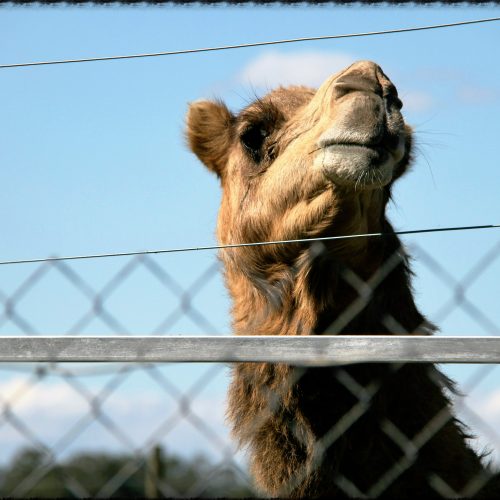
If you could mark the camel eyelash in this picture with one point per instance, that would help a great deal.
(272, 150)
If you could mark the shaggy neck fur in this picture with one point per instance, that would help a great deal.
(310, 431)
(301, 289)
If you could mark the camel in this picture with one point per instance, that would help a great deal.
(305, 163)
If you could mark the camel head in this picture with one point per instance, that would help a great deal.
(301, 162)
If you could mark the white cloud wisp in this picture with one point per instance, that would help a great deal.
(297, 68)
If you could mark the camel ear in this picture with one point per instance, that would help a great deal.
(208, 132)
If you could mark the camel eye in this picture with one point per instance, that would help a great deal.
(253, 139)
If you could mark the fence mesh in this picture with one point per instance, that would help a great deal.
(158, 430)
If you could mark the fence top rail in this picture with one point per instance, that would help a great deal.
(297, 350)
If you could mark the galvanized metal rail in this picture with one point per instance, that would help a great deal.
(297, 350)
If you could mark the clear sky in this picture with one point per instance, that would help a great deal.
(93, 159)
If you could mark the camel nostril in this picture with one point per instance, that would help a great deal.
(392, 100)
(362, 76)
(367, 77)
(355, 82)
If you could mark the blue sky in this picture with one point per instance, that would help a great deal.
(93, 157)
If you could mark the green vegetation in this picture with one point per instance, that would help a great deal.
(32, 474)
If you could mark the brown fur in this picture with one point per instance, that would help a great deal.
(290, 167)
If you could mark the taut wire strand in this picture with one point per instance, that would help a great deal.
(238, 245)
(254, 44)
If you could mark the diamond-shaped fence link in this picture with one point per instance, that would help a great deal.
(166, 421)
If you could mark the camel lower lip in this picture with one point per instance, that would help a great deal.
(355, 165)
(376, 154)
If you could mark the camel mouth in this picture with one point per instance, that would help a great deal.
(362, 166)
(378, 152)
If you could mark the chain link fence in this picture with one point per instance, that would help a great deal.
(158, 429)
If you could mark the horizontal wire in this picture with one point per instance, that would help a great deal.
(255, 44)
(239, 245)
